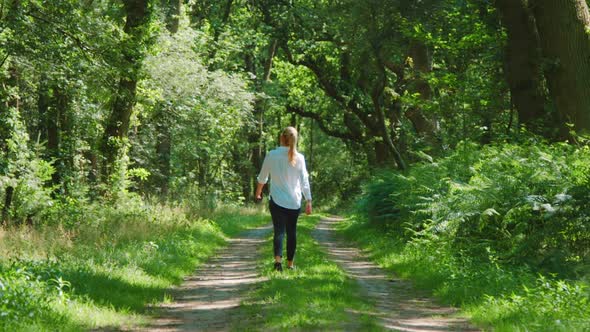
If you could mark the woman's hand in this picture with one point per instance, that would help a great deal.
(259, 192)
(308, 208)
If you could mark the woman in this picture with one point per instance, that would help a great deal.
(288, 179)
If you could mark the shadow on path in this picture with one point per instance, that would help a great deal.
(398, 306)
(209, 300)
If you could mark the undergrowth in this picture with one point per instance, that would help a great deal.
(501, 231)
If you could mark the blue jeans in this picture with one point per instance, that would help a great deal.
(284, 219)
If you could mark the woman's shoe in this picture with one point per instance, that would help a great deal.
(291, 267)
(279, 267)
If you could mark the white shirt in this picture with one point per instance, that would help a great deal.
(287, 182)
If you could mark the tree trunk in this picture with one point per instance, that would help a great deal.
(255, 136)
(173, 11)
(9, 192)
(378, 99)
(163, 149)
(137, 14)
(218, 28)
(381, 156)
(523, 65)
(162, 118)
(67, 148)
(53, 138)
(422, 65)
(42, 107)
(563, 27)
(387, 141)
(11, 102)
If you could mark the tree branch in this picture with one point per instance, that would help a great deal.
(331, 89)
(4, 60)
(77, 40)
(321, 123)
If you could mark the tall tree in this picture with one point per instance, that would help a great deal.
(563, 27)
(162, 117)
(137, 19)
(9, 108)
(421, 66)
(255, 132)
(523, 65)
(173, 9)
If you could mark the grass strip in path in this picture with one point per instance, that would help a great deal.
(318, 295)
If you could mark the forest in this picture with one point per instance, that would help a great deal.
(453, 136)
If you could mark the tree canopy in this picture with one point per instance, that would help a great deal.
(170, 97)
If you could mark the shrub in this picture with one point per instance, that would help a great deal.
(521, 203)
(26, 291)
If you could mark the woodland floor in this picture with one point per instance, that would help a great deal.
(212, 298)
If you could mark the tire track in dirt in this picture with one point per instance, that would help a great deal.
(209, 300)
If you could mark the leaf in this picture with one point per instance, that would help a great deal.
(490, 212)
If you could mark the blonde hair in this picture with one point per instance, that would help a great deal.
(289, 138)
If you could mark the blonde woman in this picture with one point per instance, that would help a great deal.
(288, 180)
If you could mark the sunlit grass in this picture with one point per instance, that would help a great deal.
(318, 295)
(83, 312)
(111, 268)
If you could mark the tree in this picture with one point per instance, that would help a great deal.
(173, 12)
(328, 57)
(137, 19)
(524, 65)
(563, 27)
(163, 118)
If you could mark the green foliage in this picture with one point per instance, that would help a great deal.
(210, 100)
(23, 298)
(550, 305)
(495, 296)
(105, 270)
(478, 225)
(22, 170)
(402, 201)
(201, 111)
(522, 203)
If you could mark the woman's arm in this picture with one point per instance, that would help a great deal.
(259, 191)
(262, 177)
(306, 187)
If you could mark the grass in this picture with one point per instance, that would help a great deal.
(107, 271)
(318, 295)
(496, 297)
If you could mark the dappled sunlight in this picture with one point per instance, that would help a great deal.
(398, 305)
(211, 297)
(314, 296)
(144, 143)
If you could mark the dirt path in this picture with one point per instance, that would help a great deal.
(209, 300)
(398, 306)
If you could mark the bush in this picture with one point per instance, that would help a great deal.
(403, 202)
(521, 204)
(26, 291)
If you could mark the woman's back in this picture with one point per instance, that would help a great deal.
(287, 180)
